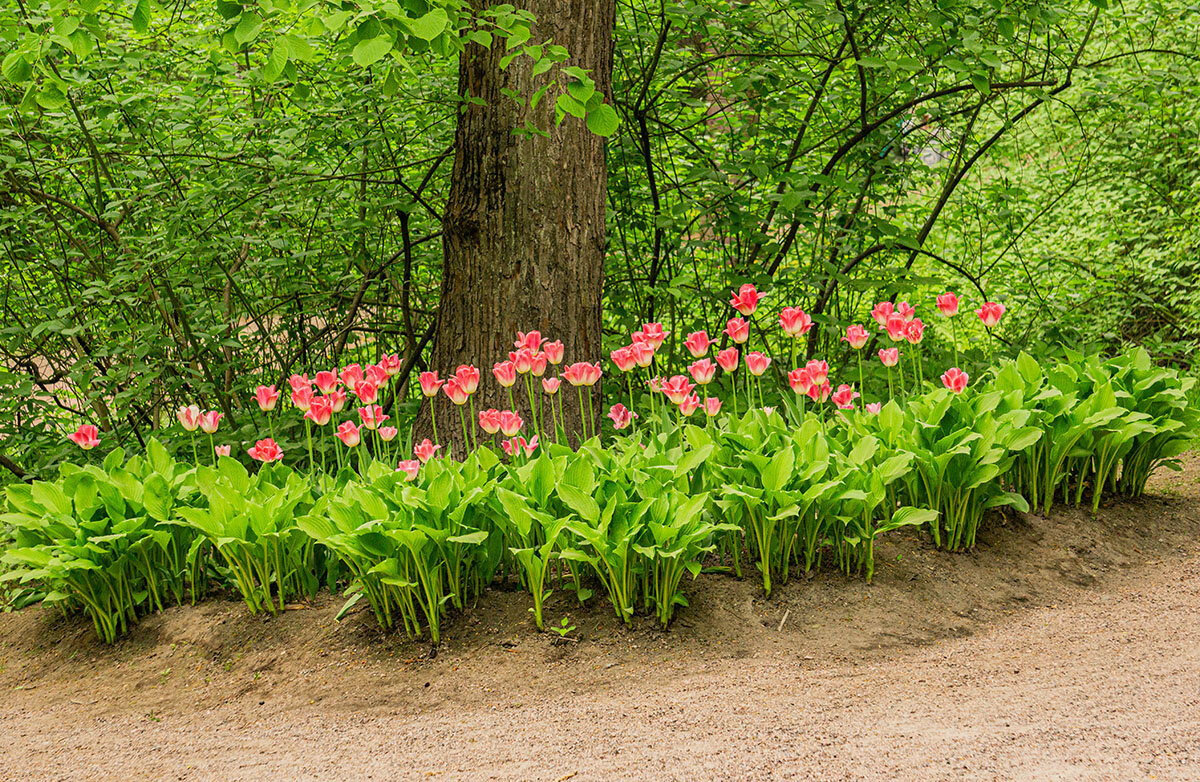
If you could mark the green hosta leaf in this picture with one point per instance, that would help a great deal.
(908, 517)
(157, 498)
(471, 538)
(779, 470)
(581, 503)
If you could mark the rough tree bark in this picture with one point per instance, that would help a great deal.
(523, 233)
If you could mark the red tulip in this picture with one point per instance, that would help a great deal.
(468, 378)
(947, 304)
(429, 383)
(727, 359)
(746, 300)
(757, 363)
(794, 321)
(489, 420)
(890, 357)
(703, 371)
(86, 437)
(410, 468)
(955, 379)
(529, 446)
(510, 423)
(689, 404)
(697, 343)
(372, 416)
(554, 352)
(299, 381)
(652, 334)
(302, 398)
(267, 397)
(874, 407)
(351, 374)
(388, 433)
(425, 450)
(818, 392)
(189, 417)
(522, 360)
(897, 328)
(348, 433)
(582, 374)
(210, 421)
(990, 313)
(320, 412)
(391, 364)
(550, 385)
(881, 312)
(915, 331)
(818, 371)
(643, 354)
(377, 375)
(538, 365)
(906, 311)
(337, 400)
(531, 341)
(624, 359)
(738, 330)
(265, 451)
(367, 392)
(621, 416)
(857, 336)
(455, 391)
(844, 397)
(799, 380)
(224, 450)
(712, 406)
(677, 389)
(326, 381)
(505, 373)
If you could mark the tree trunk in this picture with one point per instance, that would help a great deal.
(523, 233)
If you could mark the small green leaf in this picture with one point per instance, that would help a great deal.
(603, 121)
(371, 50)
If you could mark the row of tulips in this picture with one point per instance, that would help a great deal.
(788, 490)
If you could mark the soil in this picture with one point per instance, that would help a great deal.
(1060, 648)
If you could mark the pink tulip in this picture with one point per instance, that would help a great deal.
(947, 304)
(874, 407)
(656, 384)
(757, 363)
(538, 365)
(265, 451)
(581, 374)
(388, 433)
(349, 435)
(844, 397)
(955, 379)
(529, 446)
(881, 312)
(652, 334)
(689, 405)
(210, 421)
(505, 373)
(531, 341)
(326, 381)
(86, 437)
(468, 378)
(455, 391)
(623, 358)
(795, 322)
(738, 330)
(189, 417)
(712, 406)
(267, 397)
(799, 380)
(489, 420)
(594, 372)
(703, 371)
(367, 392)
(429, 383)
(621, 416)
(550, 385)
(337, 400)
(554, 352)
(351, 374)
(677, 389)
(897, 328)
(727, 359)
(818, 392)
(302, 398)
(510, 423)
(643, 354)
(224, 450)
(818, 371)
(320, 412)
(746, 300)
(299, 381)
(906, 311)
(522, 360)
(377, 375)
(697, 343)
(510, 446)
(410, 468)
(990, 313)
(890, 357)
(372, 416)
(857, 336)
(391, 364)
(425, 450)
(915, 331)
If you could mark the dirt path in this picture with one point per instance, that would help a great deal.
(1063, 648)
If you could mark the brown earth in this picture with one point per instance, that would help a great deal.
(1061, 648)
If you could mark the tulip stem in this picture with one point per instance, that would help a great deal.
(212, 447)
(954, 337)
(308, 434)
(433, 420)
(474, 437)
(466, 437)
(196, 459)
(582, 416)
(733, 388)
(629, 383)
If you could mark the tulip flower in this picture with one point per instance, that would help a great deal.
(746, 300)
(489, 420)
(351, 374)
(697, 343)
(531, 341)
(266, 397)
(189, 417)
(224, 450)
(210, 421)
(298, 382)
(844, 397)
(795, 322)
(947, 304)
(468, 378)
(621, 416)
(391, 364)
(857, 336)
(372, 416)
(623, 358)
(455, 392)
(265, 451)
(703, 371)
(897, 328)
(429, 383)
(652, 334)
(727, 359)
(874, 407)
(656, 384)
(537, 366)
(410, 468)
(689, 404)
(529, 446)
(550, 385)
(890, 357)
(818, 371)
(426, 450)
(554, 352)
(349, 434)
(522, 360)
(955, 379)
(915, 331)
(510, 423)
(87, 437)
(677, 389)
(990, 313)
(388, 433)
(302, 398)
(377, 375)
(505, 373)
(819, 392)
(799, 380)
(881, 312)
(738, 330)
(712, 406)
(757, 363)
(337, 400)
(366, 391)
(320, 412)
(906, 311)
(643, 354)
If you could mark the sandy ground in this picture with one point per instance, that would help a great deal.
(1062, 648)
